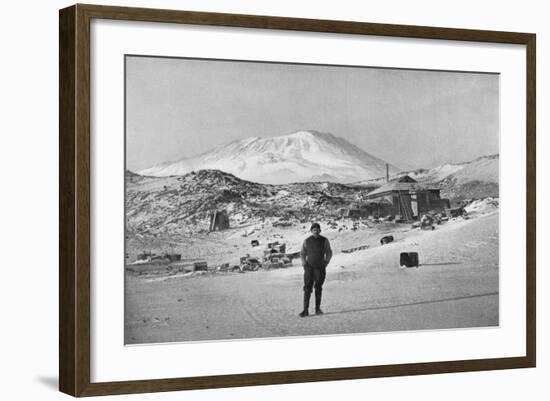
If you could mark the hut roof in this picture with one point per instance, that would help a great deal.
(404, 183)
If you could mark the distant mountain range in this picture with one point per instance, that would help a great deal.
(474, 179)
(304, 156)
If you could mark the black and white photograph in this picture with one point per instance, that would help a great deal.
(275, 200)
(269, 199)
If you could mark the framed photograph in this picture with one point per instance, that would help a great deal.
(250, 200)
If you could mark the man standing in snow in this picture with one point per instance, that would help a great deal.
(316, 255)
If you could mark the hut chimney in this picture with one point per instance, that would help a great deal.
(387, 172)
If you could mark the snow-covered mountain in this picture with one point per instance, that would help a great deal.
(484, 168)
(476, 179)
(304, 156)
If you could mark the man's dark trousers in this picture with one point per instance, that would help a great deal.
(314, 277)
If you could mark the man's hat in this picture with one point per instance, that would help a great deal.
(315, 225)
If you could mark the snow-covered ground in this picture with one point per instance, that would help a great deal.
(455, 286)
(482, 206)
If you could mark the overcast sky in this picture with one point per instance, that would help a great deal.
(178, 108)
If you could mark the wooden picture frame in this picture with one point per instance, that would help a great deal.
(74, 199)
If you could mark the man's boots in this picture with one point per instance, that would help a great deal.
(318, 293)
(305, 312)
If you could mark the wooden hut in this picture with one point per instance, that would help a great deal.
(408, 198)
(378, 208)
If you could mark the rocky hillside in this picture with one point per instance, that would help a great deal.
(182, 204)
